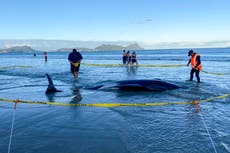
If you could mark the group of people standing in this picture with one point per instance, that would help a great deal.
(75, 58)
(194, 61)
(129, 59)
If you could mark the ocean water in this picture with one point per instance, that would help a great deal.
(181, 128)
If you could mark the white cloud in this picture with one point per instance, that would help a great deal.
(184, 44)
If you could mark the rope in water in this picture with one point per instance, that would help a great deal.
(205, 125)
(19, 66)
(196, 103)
(113, 104)
(219, 74)
(152, 66)
(121, 65)
(12, 127)
(140, 65)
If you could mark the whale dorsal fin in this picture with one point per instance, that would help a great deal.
(51, 88)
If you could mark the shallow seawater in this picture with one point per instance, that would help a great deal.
(160, 129)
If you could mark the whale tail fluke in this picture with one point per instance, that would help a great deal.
(51, 88)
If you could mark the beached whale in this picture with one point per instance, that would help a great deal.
(137, 85)
(51, 88)
(125, 85)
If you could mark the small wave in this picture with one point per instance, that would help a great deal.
(226, 146)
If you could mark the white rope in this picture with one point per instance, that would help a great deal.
(213, 145)
(11, 131)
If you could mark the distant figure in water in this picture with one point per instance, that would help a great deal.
(195, 64)
(128, 58)
(34, 54)
(75, 58)
(134, 58)
(45, 56)
(124, 57)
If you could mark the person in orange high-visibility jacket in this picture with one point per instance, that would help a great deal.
(195, 64)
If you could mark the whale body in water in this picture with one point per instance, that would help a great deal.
(125, 85)
(138, 85)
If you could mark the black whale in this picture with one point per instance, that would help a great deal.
(138, 85)
(125, 85)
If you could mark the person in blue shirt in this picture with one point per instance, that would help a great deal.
(75, 58)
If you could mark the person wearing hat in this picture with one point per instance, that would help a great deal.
(75, 58)
(195, 64)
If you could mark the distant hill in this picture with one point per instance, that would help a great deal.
(134, 47)
(52, 45)
(70, 49)
(109, 47)
(118, 47)
(18, 49)
(103, 47)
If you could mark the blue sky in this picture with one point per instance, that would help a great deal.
(149, 21)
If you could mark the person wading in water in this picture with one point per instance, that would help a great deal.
(195, 64)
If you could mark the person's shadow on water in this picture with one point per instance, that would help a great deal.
(131, 70)
(77, 95)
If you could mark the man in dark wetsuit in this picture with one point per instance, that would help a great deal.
(195, 64)
(75, 58)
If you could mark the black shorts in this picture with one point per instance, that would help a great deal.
(124, 59)
(74, 68)
(134, 60)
